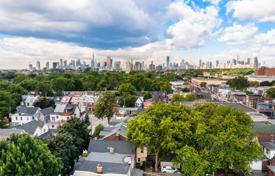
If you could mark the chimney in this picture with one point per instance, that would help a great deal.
(99, 169)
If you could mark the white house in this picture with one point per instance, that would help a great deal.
(29, 100)
(269, 149)
(62, 113)
(34, 128)
(24, 115)
(139, 102)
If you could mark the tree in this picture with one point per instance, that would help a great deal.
(44, 88)
(69, 142)
(270, 93)
(98, 128)
(203, 84)
(44, 103)
(126, 88)
(104, 105)
(162, 129)
(5, 106)
(176, 98)
(239, 83)
(147, 95)
(62, 84)
(24, 155)
(206, 139)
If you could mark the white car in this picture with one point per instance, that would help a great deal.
(169, 169)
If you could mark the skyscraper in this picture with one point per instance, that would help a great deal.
(47, 65)
(256, 62)
(167, 61)
(38, 65)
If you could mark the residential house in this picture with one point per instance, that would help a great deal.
(118, 133)
(252, 100)
(44, 114)
(34, 128)
(266, 108)
(269, 149)
(24, 115)
(29, 100)
(107, 158)
(62, 113)
(139, 102)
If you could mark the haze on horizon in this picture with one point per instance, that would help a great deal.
(184, 29)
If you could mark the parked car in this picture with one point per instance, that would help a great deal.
(169, 169)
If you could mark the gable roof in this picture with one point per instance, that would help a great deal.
(26, 110)
(119, 130)
(31, 126)
(101, 146)
(47, 111)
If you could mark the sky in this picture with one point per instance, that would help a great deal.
(47, 30)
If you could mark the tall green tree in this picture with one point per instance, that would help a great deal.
(23, 155)
(162, 129)
(69, 142)
(270, 93)
(44, 103)
(104, 105)
(239, 83)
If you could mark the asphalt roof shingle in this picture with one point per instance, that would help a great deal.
(121, 147)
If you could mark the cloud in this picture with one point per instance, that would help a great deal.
(238, 34)
(259, 10)
(112, 23)
(194, 26)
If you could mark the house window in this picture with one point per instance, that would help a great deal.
(16, 118)
(141, 150)
(138, 160)
(27, 118)
(53, 118)
(20, 118)
(52, 126)
(32, 118)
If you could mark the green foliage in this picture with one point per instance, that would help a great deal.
(69, 142)
(203, 84)
(270, 93)
(104, 105)
(239, 83)
(208, 138)
(176, 98)
(5, 103)
(62, 84)
(44, 103)
(127, 95)
(24, 155)
(147, 95)
(96, 133)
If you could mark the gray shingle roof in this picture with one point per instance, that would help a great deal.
(121, 147)
(31, 126)
(49, 134)
(5, 133)
(90, 166)
(47, 111)
(26, 110)
(269, 145)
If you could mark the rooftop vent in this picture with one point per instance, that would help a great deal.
(111, 149)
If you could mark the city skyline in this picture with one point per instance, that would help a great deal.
(192, 30)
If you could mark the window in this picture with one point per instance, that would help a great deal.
(138, 160)
(52, 126)
(32, 118)
(27, 118)
(16, 118)
(53, 118)
(21, 118)
(141, 150)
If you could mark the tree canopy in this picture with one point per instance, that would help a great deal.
(270, 93)
(239, 83)
(206, 139)
(104, 105)
(23, 155)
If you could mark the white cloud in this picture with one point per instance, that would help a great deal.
(193, 26)
(238, 34)
(260, 10)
